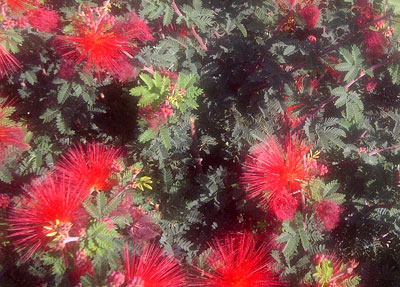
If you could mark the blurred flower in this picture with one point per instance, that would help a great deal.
(66, 71)
(312, 39)
(283, 205)
(116, 279)
(153, 268)
(8, 63)
(5, 201)
(92, 164)
(329, 213)
(44, 20)
(47, 213)
(277, 171)
(375, 43)
(21, 5)
(109, 222)
(371, 85)
(106, 47)
(11, 133)
(310, 14)
(238, 260)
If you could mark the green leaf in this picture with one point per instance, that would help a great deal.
(148, 81)
(63, 93)
(166, 138)
(289, 50)
(168, 17)
(242, 29)
(291, 246)
(148, 135)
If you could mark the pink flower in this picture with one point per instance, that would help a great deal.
(283, 206)
(5, 201)
(312, 39)
(44, 20)
(371, 85)
(310, 14)
(116, 279)
(109, 222)
(375, 43)
(329, 213)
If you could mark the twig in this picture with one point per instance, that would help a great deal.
(198, 38)
(383, 149)
(176, 9)
(196, 151)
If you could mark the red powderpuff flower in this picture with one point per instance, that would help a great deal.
(329, 213)
(284, 206)
(375, 43)
(48, 211)
(153, 269)
(310, 14)
(44, 20)
(272, 169)
(238, 260)
(5, 201)
(21, 5)
(105, 49)
(8, 63)
(11, 134)
(92, 164)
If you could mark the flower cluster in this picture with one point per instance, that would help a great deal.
(156, 118)
(107, 45)
(238, 260)
(51, 209)
(11, 133)
(151, 268)
(275, 174)
(47, 213)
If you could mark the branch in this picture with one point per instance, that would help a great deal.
(176, 9)
(202, 45)
(383, 149)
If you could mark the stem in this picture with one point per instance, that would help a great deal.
(196, 151)
(176, 9)
(383, 149)
(198, 38)
(70, 239)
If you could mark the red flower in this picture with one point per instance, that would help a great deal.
(105, 49)
(273, 170)
(8, 63)
(21, 5)
(310, 14)
(153, 269)
(91, 165)
(47, 213)
(238, 260)
(328, 212)
(44, 20)
(371, 85)
(5, 201)
(284, 206)
(11, 134)
(375, 43)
